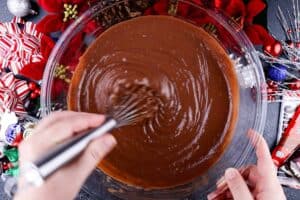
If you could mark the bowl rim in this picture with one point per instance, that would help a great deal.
(261, 105)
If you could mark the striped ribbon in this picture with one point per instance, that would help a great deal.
(19, 45)
(13, 92)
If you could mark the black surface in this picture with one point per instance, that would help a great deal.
(273, 109)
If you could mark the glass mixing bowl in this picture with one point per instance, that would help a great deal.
(252, 107)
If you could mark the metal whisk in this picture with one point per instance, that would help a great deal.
(129, 104)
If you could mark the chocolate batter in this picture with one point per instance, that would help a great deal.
(187, 67)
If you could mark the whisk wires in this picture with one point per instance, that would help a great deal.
(131, 103)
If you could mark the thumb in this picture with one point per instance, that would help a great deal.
(81, 168)
(94, 153)
(237, 185)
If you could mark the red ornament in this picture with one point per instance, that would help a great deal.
(37, 91)
(33, 95)
(272, 84)
(271, 98)
(32, 86)
(290, 43)
(274, 49)
(295, 85)
(297, 44)
(4, 166)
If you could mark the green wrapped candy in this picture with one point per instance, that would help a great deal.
(12, 154)
(12, 171)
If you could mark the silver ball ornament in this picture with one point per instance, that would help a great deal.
(20, 8)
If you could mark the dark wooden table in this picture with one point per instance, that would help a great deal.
(273, 109)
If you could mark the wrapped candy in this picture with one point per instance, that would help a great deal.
(289, 141)
(2, 149)
(13, 93)
(12, 154)
(11, 131)
(21, 45)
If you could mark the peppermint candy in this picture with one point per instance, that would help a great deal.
(13, 93)
(19, 44)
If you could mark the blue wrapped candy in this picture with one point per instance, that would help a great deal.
(10, 129)
(277, 72)
(12, 132)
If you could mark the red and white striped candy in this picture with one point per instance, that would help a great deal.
(13, 92)
(19, 46)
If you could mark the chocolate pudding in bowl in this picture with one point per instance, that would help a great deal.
(208, 84)
(197, 115)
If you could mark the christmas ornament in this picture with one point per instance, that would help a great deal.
(22, 45)
(274, 49)
(277, 72)
(20, 8)
(287, 54)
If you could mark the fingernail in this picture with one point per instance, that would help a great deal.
(230, 173)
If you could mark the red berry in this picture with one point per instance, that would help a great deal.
(270, 90)
(295, 85)
(5, 166)
(9, 165)
(32, 86)
(33, 95)
(37, 91)
(273, 49)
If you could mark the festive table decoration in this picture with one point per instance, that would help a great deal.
(62, 14)
(242, 13)
(25, 48)
(13, 93)
(289, 142)
(22, 46)
(20, 8)
(284, 59)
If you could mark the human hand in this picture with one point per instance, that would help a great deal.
(66, 182)
(253, 182)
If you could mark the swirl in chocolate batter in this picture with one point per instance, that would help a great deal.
(196, 81)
